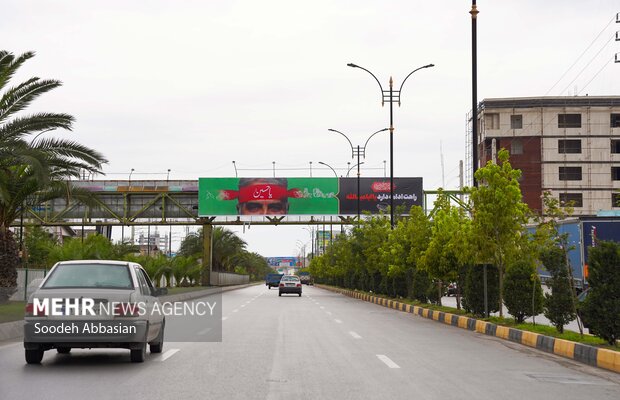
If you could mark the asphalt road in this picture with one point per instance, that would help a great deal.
(319, 346)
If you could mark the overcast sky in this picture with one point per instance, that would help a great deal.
(192, 85)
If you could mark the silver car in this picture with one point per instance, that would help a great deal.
(94, 304)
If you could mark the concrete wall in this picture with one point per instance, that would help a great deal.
(224, 279)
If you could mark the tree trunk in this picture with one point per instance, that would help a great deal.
(9, 261)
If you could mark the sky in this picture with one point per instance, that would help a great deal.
(191, 86)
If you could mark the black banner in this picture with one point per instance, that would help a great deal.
(375, 194)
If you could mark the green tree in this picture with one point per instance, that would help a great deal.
(553, 247)
(32, 171)
(559, 305)
(38, 243)
(448, 248)
(498, 216)
(524, 296)
(602, 305)
(473, 301)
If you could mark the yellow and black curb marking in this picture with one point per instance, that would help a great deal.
(602, 358)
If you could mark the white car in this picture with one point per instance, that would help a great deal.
(94, 304)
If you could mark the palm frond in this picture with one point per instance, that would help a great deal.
(19, 127)
(67, 148)
(9, 65)
(16, 99)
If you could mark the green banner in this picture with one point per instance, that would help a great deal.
(267, 196)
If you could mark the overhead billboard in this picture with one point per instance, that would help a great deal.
(303, 196)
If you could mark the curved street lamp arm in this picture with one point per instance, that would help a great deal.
(373, 75)
(330, 167)
(370, 137)
(411, 73)
(354, 167)
(345, 136)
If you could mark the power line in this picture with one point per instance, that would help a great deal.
(578, 58)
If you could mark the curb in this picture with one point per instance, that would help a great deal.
(14, 329)
(594, 356)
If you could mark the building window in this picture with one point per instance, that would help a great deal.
(615, 173)
(516, 122)
(569, 120)
(615, 146)
(571, 199)
(614, 121)
(615, 200)
(570, 173)
(516, 147)
(491, 120)
(572, 146)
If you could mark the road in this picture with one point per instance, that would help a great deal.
(319, 346)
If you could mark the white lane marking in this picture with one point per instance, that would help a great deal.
(322, 308)
(338, 321)
(169, 354)
(386, 360)
(235, 310)
(248, 302)
(204, 331)
(328, 312)
(355, 335)
(242, 305)
(224, 318)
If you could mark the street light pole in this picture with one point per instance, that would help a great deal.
(235, 166)
(358, 151)
(330, 167)
(391, 96)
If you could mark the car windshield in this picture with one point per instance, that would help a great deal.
(90, 276)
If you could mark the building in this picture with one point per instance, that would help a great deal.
(569, 146)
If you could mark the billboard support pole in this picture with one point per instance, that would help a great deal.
(207, 255)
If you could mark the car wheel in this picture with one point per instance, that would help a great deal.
(279, 294)
(299, 294)
(63, 350)
(157, 346)
(34, 356)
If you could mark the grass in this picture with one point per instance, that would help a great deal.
(12, 311)
(509, 322)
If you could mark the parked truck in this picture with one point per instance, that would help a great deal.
(582, 235)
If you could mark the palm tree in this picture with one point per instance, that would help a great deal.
(35, 170)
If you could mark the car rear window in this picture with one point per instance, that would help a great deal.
(290, 278)
(90, 276)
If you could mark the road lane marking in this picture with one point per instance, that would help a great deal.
(242, 305)
(235, 310)
(169, 354)
(386, 360)
(355, 335)
(328, 312)
(224, 318)
(338, 321)
(322, 308)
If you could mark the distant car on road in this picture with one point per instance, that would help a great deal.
(290, 284)
(94, 304)
(306, 278)
(273, 280)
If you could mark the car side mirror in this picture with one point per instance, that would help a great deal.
(160, 292)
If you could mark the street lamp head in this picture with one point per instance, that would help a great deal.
(429, 65)
(352, 65)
